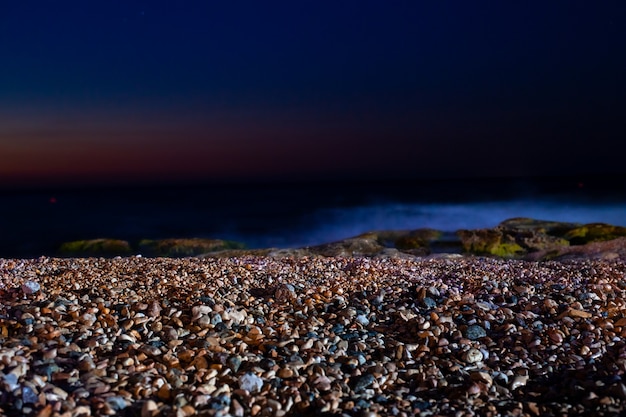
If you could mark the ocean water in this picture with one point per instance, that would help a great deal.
(34, 222)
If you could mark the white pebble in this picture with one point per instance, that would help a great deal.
(250, 382)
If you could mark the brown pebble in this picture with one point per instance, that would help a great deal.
(154, 309)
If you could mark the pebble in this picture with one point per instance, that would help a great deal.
(29, 396)
(473, 356)
(362, 382)
(475, 332)
(274, 337)
(30, 287)
(250, 382)
(285, 293)
(362, 319)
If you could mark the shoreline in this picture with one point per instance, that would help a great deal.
(311, 335)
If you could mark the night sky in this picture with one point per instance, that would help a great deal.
(122, 91)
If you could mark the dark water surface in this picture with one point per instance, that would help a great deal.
(34, 222)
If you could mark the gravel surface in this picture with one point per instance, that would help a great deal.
(447, 336)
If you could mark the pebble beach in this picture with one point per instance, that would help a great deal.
(446, 335)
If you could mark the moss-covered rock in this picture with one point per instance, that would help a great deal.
(534, 226)
(533, 242)
(185, 247)
(490, 242)
(96, 247)
(594, 232)
(417, 239)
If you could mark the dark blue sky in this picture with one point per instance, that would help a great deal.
(185, 90)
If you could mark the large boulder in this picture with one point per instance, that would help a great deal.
(517, 237)
(177, 248)
(417, 241)
(95, 247)
(546, 227)
(522, 237)
(490, 242)
(594, 232)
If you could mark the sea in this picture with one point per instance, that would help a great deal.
(35, 221)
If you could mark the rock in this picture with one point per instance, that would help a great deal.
(250, 382)
(417, 241)
(285, 293)
(95, 248)
(154, 309)
(473, 356)
(547, 227)
(149, 409)
(475, 332)
(30, 287)
(517, 237)
(10, 382)
(117, 403)
(489, 242)
(361, 382)
(233, 362)
(594, 232)
(362, 319)
(177, 248)
(29, 396)
(604, 250)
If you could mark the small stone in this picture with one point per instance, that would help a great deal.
(475, 332)
(154, 309)
(579, 313)
(250, 382)
(429, 302)
(519, 381)
(86, 364)
(473, 356)
(169, 333)
(236, 409)
(29, 396)
(362, 319)
(533, 408)
(285, 373)
(285, 293)
(117, 403)
(10, 382)
(46, 411)
(200, 310)
(186, 411)
(149, 409)
(27, 319)
(619, 390)
(322, 383)
(361, 382)
(483, 377)
(204, 322)
(216, 318)
(30, 287)
(233, 362)
(164, 393)
(88, 319)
